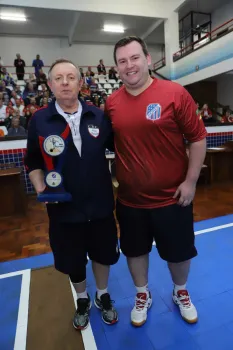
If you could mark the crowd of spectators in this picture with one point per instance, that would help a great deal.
(209, 117)
(20, 98)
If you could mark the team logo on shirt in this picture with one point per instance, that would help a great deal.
(93, 130)
(153, 111)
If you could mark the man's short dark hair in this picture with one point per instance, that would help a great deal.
(60, 60)
(127, 40)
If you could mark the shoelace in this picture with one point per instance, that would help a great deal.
(82, 306)
(140, 301)
(184, 299)
(107, 302)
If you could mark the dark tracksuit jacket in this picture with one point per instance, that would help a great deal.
(87, 178)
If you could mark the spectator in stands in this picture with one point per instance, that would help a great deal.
(19, 64)
(41, 78)
(85, 92)
(206, 113)
(6, 92)
(81, 73)
(29, 91)
(4, 112)
(104, 97)
(96, 100)
(102, 106)
(7, 77)
(87, 79)
(18, 90)
(31, 79)
(16, 129)
(19, 105)
(15, 114)
(45, 102)
(101, 68)
(37, 64)
(93, 86)
(227, 118)
(32, 103)
(14, 96)
(198, 110)
(112, 74)
(48, 95)
(92, 74)
(28, 114)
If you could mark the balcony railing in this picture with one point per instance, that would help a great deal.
(215, 34)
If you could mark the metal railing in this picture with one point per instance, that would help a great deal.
(215, 34)
(159, 64)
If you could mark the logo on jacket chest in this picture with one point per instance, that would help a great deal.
(93, 130)
(153, 111)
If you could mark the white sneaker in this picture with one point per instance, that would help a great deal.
(139, 312)
(187, 309)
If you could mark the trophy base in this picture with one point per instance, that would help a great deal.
(54, 197)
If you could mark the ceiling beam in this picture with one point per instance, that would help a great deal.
(73, 27)
(151, 28)
(145, 8)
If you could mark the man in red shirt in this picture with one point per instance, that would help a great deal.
(157, 180)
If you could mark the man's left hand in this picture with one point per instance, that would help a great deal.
(185, 193)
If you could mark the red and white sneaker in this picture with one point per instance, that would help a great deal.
(139, 312)
(187, 309)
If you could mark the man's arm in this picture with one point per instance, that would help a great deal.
(37, 179)
(33, 159)
(197, 152)
(194, 131)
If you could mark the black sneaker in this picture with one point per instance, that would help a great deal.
(109, 314)
(81, 316)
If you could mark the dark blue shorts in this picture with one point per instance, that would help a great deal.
(71, 243)
(171, 227)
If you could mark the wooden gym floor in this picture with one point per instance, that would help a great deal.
(22, 237)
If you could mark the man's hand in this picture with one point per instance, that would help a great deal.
(40, 189)
(185, 193)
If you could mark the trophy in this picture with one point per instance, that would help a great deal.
(53, 149)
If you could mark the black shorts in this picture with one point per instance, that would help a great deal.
(72, 242)
(171, 227)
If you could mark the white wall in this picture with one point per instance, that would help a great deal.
(212, 59)
(51, 49)
(222, 15)
(225, 90)
(208, 72)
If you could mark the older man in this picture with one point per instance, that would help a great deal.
(84, 224)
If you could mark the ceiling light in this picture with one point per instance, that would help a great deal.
(13, 17)
(113, 29)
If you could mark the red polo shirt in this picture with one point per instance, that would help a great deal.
(151, 160)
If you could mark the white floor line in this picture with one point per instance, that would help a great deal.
(22, 322)
(215, 228)
(87, 334)
(12, 274)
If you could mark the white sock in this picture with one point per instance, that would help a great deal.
(143, 289)
(176, 287)
(82, 295)
(101, 292)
